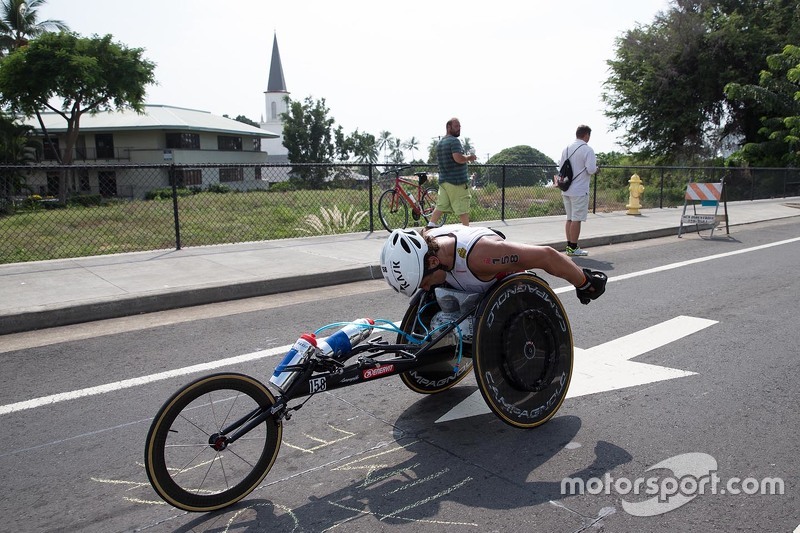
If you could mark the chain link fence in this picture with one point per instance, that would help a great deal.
(126, 208)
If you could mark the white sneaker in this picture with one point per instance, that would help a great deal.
(576, 252)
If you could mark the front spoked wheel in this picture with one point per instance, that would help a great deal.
(188, 459)
(523, 351)
(392, 210)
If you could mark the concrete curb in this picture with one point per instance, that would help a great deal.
(175, 299)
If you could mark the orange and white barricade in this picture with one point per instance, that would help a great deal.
(706, 195)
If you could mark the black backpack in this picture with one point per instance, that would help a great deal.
(564, 177)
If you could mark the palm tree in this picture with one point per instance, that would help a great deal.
(384, 144)
(413, 145)
(18, 23)
(396, 147)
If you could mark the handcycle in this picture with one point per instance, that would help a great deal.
(394, 203)
(215, 440)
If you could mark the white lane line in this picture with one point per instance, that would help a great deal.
(688, 262)
(135, 382)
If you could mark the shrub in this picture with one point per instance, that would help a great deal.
(218, 188)
(165, 193)
(86, 200)
(281, 186)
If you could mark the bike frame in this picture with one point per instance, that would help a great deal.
(414, 202)
(316, 376)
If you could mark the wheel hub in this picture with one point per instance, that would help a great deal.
(218, 442)
(529, 351)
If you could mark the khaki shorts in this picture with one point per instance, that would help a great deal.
(577, 207)
(454, 198)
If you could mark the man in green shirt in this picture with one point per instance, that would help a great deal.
(454, 193)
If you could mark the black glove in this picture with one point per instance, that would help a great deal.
(595, 286)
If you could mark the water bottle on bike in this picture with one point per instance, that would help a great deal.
(339, 345)
(336, 346)
(298, 354)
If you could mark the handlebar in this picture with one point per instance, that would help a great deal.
(395, 170)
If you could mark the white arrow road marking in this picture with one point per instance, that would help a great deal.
(608, 366)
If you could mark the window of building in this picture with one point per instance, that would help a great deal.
(52, 183)
(185, 177)
(231, 174)
(185, 141)
(104, 143)
(50, 149)
(273, 107)
(107, 183)
(84, 185)
(225, 142)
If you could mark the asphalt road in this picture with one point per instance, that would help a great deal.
(684, 393)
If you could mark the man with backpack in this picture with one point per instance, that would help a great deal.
(576, 197)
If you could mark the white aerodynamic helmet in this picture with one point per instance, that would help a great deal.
(403, 260)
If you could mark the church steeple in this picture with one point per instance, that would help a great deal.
(275, 97)
(276, 83)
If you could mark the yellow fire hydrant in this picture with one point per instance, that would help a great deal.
(636, 189)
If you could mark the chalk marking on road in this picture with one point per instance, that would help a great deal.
(322, 442)
(144, 380)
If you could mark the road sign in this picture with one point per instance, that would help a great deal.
(698, 219)
(608, 366)
(708, 195)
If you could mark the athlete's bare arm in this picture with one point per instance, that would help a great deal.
(492, 255)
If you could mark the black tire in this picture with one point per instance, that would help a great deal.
(440, 375)
(428, 204)
(523, 351)
(392, 210)
(183, 466)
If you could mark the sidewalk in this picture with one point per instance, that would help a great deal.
(69, 291)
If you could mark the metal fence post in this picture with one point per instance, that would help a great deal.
(371, 200)
(594, 194)
(503, 195)
(175, 206)
(661, 191)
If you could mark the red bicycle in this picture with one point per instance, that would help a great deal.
(395, 203)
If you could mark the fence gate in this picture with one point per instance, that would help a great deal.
(706, 195)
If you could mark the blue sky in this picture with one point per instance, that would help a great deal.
(404, 67)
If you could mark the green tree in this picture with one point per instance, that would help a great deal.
(365, 147)
(432, 151)
(666, 82)
(307, 135)
(17, 147)
(86, 75)
(244, 120)
(519, 155)
(778, 93)
(19, 24)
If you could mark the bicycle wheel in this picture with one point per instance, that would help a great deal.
(438, 376)
(188, 462)
(428, 203)
(523, 351)
(392, 210)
